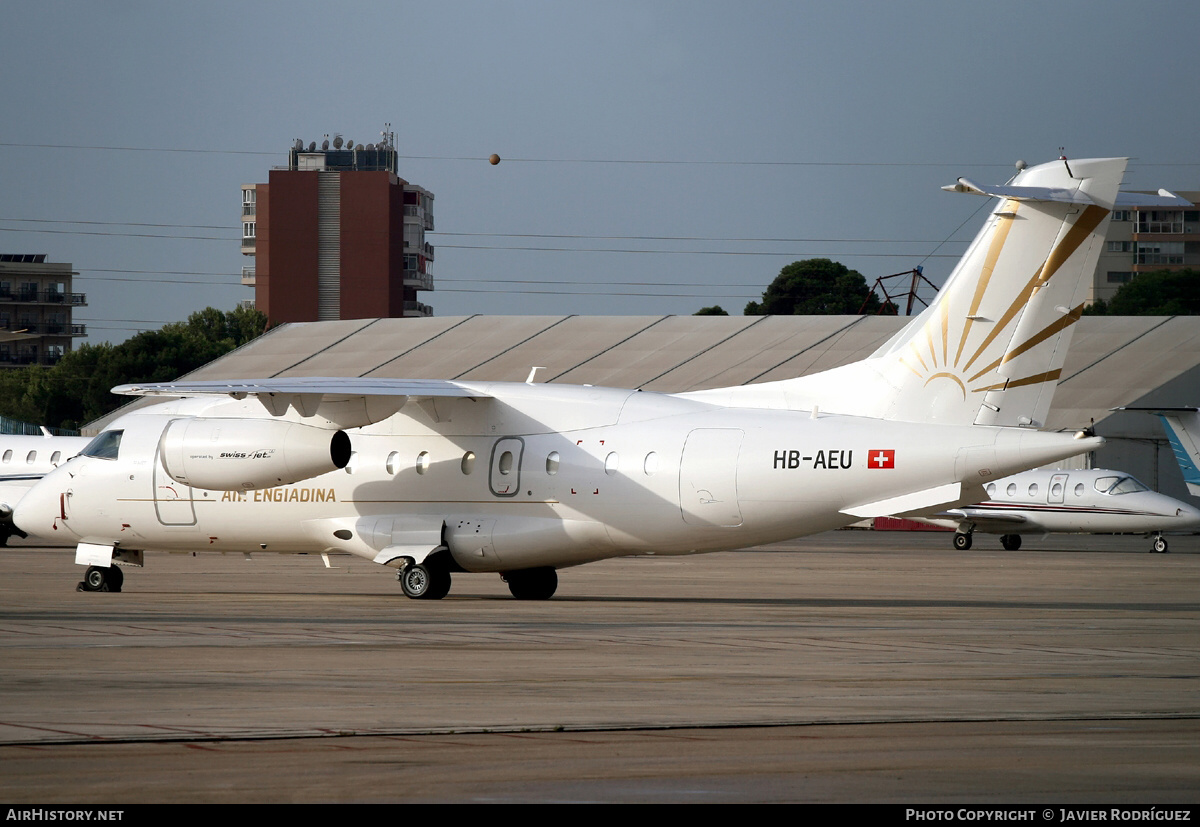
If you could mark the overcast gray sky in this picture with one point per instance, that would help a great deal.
(623, 126)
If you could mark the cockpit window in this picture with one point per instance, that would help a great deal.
(1127, 485)
(105, 446)
(1119, 485)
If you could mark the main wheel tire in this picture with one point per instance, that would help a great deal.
(116, 578)
(1011, 542)
(962, 541)
(95, 579)
(1160, 545)
(532, 584)
(422, 582)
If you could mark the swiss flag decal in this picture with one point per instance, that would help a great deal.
(881, 458)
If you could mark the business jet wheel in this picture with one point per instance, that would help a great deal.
(1160, 545)
(962, 542)
(532, 584)
(421, 582)
(97, 579)
(1011, 542)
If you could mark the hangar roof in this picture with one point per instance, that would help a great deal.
(1113, 361)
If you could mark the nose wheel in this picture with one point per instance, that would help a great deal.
(1160, 545)
(99, 579)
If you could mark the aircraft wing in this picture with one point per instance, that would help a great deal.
(986, 519)
(338, 387)
(345, 402)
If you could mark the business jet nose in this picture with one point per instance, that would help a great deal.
(1189, 517)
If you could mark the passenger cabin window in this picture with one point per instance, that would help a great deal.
(468, 462)
(8, 455)
(552, 462)
(393, 463)
(1079, 489)
(991, 489)
(31, 458)
(55, 457)
(1012, 489)
(105, 446)
(1033, 489)
(422, 462)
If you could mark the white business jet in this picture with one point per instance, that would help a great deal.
(24, 460)
(434, 478)
(1094, 501)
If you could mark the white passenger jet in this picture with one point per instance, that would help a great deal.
(1094, 501)
(440, 477)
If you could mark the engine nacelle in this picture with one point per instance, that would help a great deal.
(237, 454)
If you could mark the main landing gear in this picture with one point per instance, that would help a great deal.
(962, 540)
(99, 579)
(425, 581)
(1011, 542)
(531, 584)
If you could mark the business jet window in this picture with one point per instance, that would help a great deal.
(1012, 489)
(552, 462)
(1033, 489)
(468, 462)
(31, 458)
(991, 489)
(393, 463)
(506, 463)
(651, 464)
(8, 455)
(1079, 489)
(422, 462)
(105, 446)
(1056, 490)
(610, 463)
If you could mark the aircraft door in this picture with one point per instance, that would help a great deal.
(708, 477)
(505, 474)
(1057, 489)
(173, 501)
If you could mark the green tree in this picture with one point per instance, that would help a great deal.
(77, 389)
(815, 286)
(715, 310)
(1158, 293)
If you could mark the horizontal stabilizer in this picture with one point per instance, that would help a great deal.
(916, 501)
(1141, 199)
(1065, 196)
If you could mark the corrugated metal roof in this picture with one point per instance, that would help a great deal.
(1113, 361)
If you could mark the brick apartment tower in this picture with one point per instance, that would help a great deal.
(337, 235)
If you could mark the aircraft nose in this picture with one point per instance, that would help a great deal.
(1189, 516)
(38, 511)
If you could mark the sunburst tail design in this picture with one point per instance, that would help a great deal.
(989, 350)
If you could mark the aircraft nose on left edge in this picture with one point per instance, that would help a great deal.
(41, 511)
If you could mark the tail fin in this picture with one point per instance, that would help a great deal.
(990, 348)
(1183, 430)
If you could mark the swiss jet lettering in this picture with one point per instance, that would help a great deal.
(834, 458)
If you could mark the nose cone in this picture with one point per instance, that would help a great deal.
(1188, 517)
(38, 511)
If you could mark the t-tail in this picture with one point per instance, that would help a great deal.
(1183, 432)
(990, 349)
